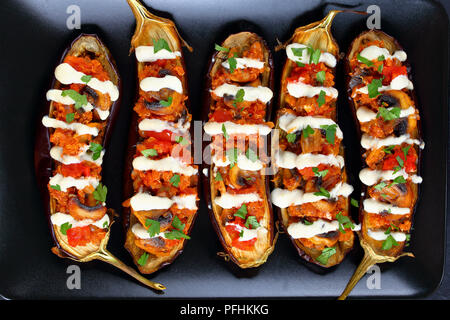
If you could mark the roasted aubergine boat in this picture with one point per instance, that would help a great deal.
(311, 190)
(237, 105)
(76, 125)
(384, 105)
(161, 191)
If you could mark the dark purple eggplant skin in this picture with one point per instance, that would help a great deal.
(352, 107)
(43, 163)
(206, 103)
(133, 140)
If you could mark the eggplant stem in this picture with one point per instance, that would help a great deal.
(106, 256)
(142, 15)
(370, 258)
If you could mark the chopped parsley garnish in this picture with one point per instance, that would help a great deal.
(366, 61)
(56, 187)
(70, 117)
(143, 259)
(298, 52)
(330, 132)
(354, 202)
(344, 222)
(380, 68)
(218, 176)
(291, 137)
(64, 227)
(381, 58)
(241, 212)
(307, 131)
(408, 239)
(241, 234)
(175, 180)
(176, 223)
(79, 99)
(105, 224)
(306, 222)
(388, 149)
(176, 235)
(232, 155)
(86, 78)
(100, 193)
(160, 44)
(224, 130)
(322, 193)
(300, 64)
(389, 242)
(149, 153)
(220, 48)
(373, 87)
(315, 55)
(153, 227)
(166, 103)
(326, 254)
(400, 164)
(251, 155)
(389, 114)
(397, 180)
(320, 174)
(321, 98)
(380, 186)
(181, 140)
(232, 62)
(252, 221)
(405, 151)
(320, 76)
(239, 97)
(96, 150)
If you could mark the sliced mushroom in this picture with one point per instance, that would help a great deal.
(164, 217)
(240, 178)
(394, 98)
(81, 211)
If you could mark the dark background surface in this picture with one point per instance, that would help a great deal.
(35, 39)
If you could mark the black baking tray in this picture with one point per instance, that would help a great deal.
(34, 34)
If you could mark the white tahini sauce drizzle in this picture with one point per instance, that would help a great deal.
(299, 89)
(365, 114)
(289, 160)
(368, 142)
(248, 234)
(284, 198)
(57, 154)
(165, 164)
(242, 63)
(143, 201)
(262, 94)
(147, 54)
(66, 74)
(79, 128)
(380, 235)
(214, 128)
(156, 84)
(68, 182)
(373, 52)
(228, 200)
(374, 206)
(140, 232)
(160, 125)
(369, 177)
(291, 123)
(60, 218)
(398, 83)
(325, 57)
(242, 162)
(298, 230)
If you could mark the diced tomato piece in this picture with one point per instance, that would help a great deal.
(165, 135)
(391, 72)
(390, 162)
(79, 236)
(221, 115)
(75, 170)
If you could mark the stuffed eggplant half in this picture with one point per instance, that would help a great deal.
(161, 188)
(83, 100)
(311, 190)
(237, 103)
(383, 102)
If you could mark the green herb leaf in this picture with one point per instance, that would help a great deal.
(388, 114)
(56, 187)
(79, 99)
(298, 52)
(175, 180)
(241, 234)
(373, 87)
(405, 151)
(100, 193)
(380, 68)
(160, 45)
(388, 149)
(239, 97)
(389, 242)
(64, 227)
(149, 153)
(181, 140)
(220, 48)
(153, 227)
(320, 76)
(300, 64)
(307, 131)
(321, 98)
(86, 78)
(381, 58)
(326, 254)
(224, 130)
(105, 224)
(315, 56)
(306, 222)
(251, 155)
(232, 155)
(232, 62)
(323, 192)
(96, 150)
(366, 61)
(330, 132)
(354, 202)
(166, 103)
(218, 176)
(251, 221)
(380, 186)
(70, 117)
(320, 174)
(291, 137)
(176, 223)
(397, 180)
(241, 212)
(176, 235)
(143, 259)
(344, 222)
